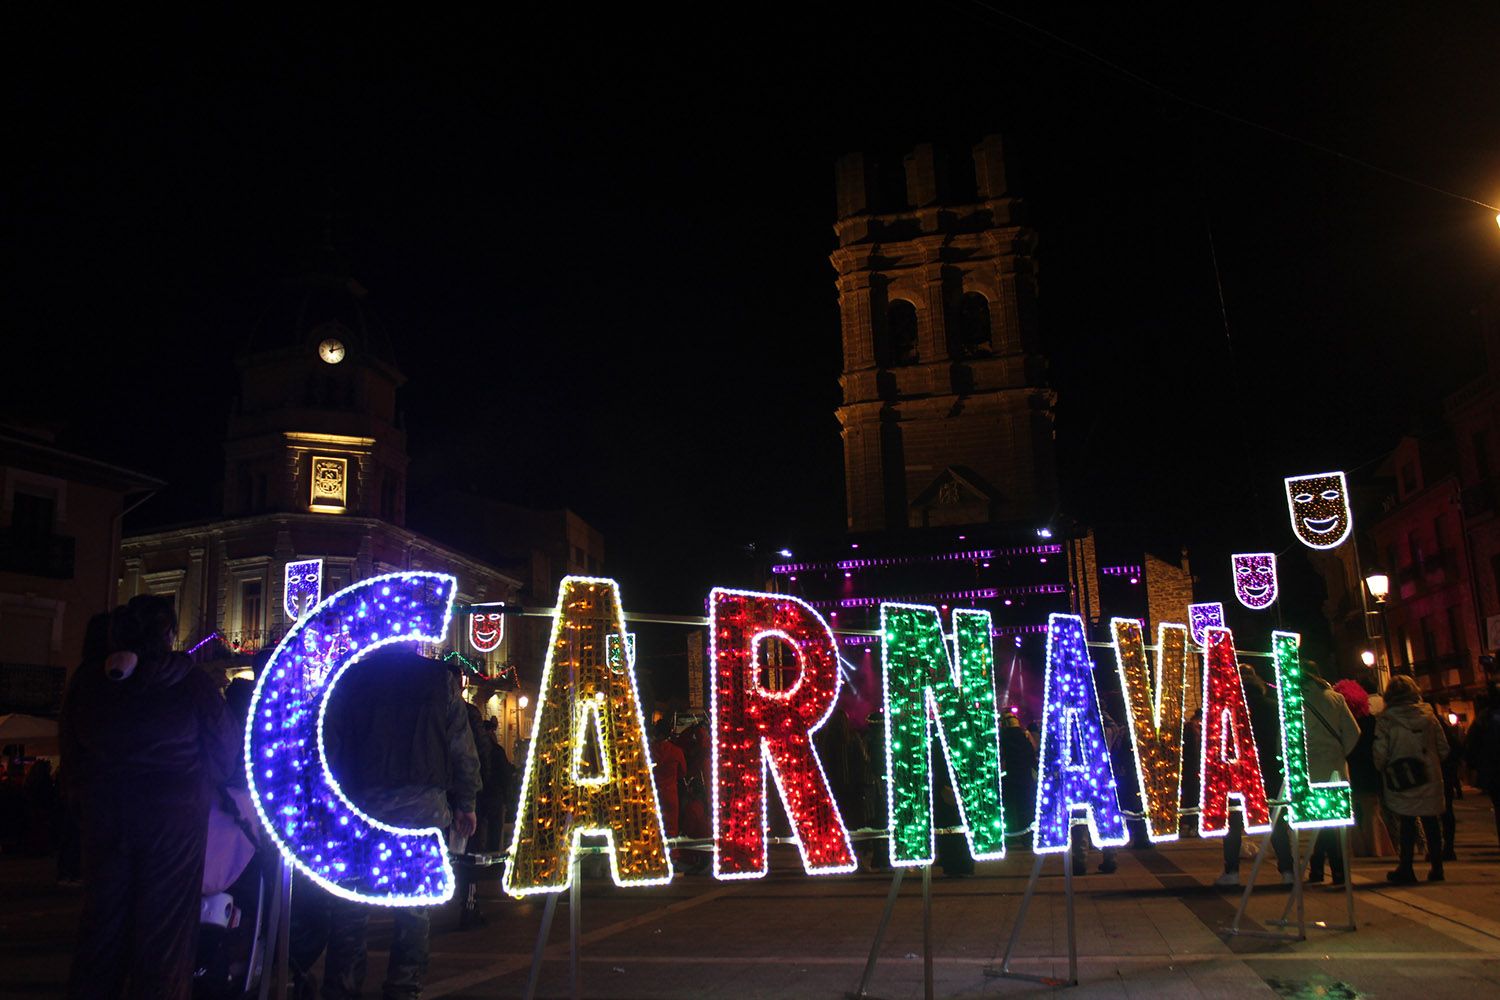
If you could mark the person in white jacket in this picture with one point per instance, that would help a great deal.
(1409, 751)
(1332, 734)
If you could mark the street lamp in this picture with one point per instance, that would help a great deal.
(1379, 586)
(1368, 657)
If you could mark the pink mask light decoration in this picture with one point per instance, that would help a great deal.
(486, 629)
(1202, 617)
(1255, 579)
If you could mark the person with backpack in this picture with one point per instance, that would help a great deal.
(1409, 750)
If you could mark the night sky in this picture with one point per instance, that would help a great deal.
(601, 244)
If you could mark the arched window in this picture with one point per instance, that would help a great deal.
(975, 335)
(901, 328)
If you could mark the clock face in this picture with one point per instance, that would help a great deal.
(331, 351)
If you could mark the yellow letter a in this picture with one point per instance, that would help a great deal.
(587, 686)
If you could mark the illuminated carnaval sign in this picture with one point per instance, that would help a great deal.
(588, 770)
(1153, 700)
(332, 841)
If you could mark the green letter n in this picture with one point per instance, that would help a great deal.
(923, 683)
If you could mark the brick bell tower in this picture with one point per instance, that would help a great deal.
(947, 415)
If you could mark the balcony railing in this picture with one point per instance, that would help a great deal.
(49, 556)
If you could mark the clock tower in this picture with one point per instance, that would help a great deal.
(315, 428)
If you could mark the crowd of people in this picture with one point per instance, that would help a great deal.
(151, 746)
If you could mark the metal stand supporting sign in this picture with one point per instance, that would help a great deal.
(862, 993)
(1348, 925)
(1294, 900)
(276, 963)
(1003, 970)
(575, 898)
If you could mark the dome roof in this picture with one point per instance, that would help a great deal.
(321, 302)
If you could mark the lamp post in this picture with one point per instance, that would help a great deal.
(1379, 586)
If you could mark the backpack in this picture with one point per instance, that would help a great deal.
(1405, 774)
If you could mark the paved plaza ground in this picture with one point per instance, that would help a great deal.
(1150, 929)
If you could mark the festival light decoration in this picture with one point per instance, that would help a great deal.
(1073, 769)
(1312, 803)
(1230, 765)
(1202, 617)
(1254, 579)
(1319, 506)
(561, 802)
(486, 631)
(1154, 703)
(302, 587)
(755, 730)
(925, 688)
(314, 824)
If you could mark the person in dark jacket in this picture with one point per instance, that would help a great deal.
(1482, 748)
(146, 742)
(1409, 750)
(1369, 838)
(399, 742)
(1451, 787)
(499, 775)
(1018, 788)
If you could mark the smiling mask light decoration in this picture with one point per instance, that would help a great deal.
(486, 629)
(1201, 618)
(1255, 579)
(302, 587)
(1319, 506)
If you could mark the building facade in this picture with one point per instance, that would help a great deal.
(60, 517)
(315, 498)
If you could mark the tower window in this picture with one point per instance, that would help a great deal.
(901, 333)
(976, 336)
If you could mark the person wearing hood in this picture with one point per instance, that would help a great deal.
(1332, 734)
(1409, 750)
(146, 742)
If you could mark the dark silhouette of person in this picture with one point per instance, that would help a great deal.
(400, 743)
(145, 743)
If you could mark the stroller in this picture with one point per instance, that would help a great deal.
(238, 877)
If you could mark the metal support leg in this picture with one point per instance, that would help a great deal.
(284, 934)
(927, 932)
(575, 916)
(1260, 859)
(269, 962)
(1003, 970)
(885, 922)
(1348, 879)
(1072, 924)
(1294, 900)
(541, 945)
